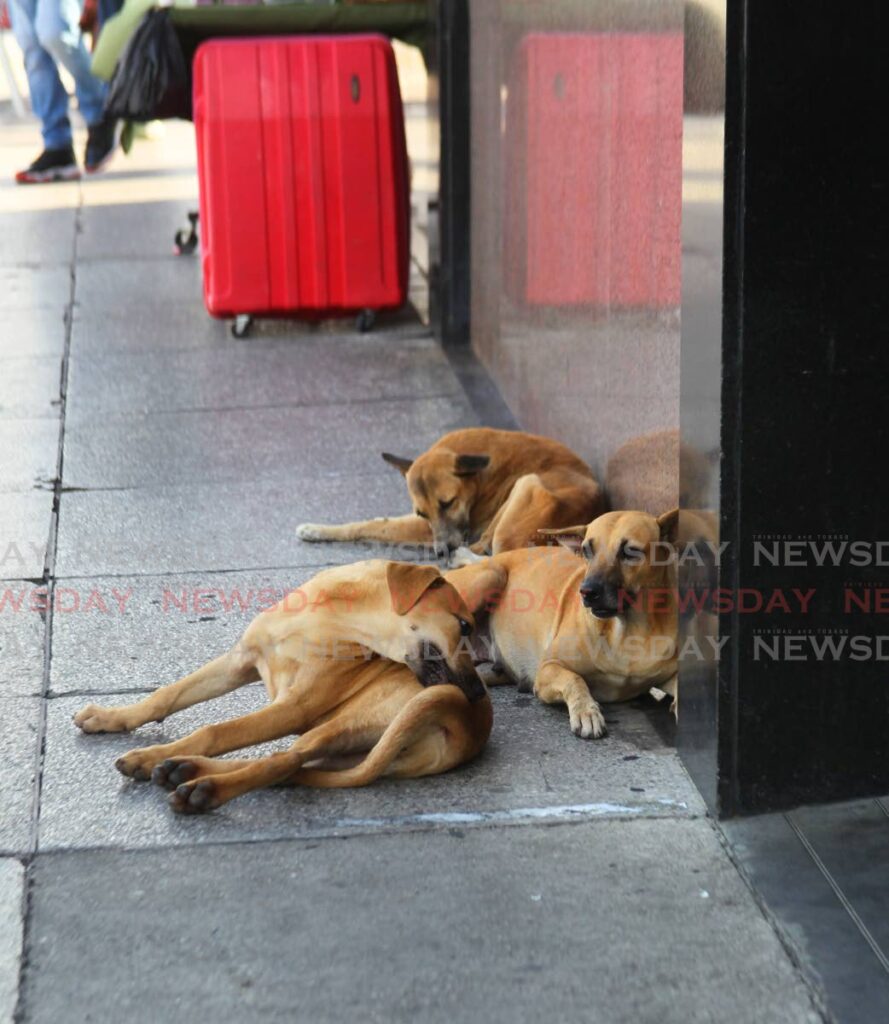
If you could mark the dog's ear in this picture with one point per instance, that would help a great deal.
(402, 465)
(570, 537)
(469, 465)
(668, 524)
(408, 583)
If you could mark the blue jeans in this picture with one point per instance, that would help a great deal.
(48, 33)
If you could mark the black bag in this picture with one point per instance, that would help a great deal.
(152, 79)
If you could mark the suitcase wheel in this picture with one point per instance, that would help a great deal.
(241, 325)
(365, 320)
(186, 240)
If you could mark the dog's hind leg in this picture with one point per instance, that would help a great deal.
(204, 792)
(280, 718)
(173, 771)
(222, 675)
(429, 735)
(529, 506)
(536, 502)
(413, 743)
(411, 530)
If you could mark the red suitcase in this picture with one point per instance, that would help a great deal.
(594, 127)
(302, 166)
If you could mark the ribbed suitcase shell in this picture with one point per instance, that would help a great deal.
(303, 176)
(594, 190)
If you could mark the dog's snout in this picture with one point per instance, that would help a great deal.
(601, 596)
(444, 550)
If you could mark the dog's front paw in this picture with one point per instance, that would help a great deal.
(139, 764)
(311, 532)
(93, 718)
(587, 721)
(194, 797)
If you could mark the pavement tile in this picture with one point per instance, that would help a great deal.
(22, 631)
(40, 236)
(309, 371)
(32, 332)
(30, 287)
(30, 386)
(131, 284)
(18, 755)
(24, 533)
(29, 453)
(12, 885)
(97, 331)
(137, 231)
(252, 444)
(206, 527)
(136, 329)
(575, 923)
(137, 632)
(532, 761)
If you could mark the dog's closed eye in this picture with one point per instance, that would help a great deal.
(630, 552)
(445, 505)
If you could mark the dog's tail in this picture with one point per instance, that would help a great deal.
(436, 706)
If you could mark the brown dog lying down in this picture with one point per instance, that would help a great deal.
(346, 661)
(493, 489)
(580, 632)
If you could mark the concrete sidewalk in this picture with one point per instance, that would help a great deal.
(152, 471)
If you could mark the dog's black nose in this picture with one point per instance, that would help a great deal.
(592, 590)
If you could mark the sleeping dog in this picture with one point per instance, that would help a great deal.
(491, 489)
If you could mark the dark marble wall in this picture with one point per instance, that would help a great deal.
(797, 708)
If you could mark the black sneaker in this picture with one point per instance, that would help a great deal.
(101, 142)
(51, 165)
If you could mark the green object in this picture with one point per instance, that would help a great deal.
(408, 22)
(116, 34)
(126, 136)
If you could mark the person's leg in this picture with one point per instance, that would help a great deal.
(49, 101)
(58, 31)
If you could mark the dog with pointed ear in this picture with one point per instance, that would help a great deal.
(580, 630)
(481, 491)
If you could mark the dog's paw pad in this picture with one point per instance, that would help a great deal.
(194, 797)
(169, 774)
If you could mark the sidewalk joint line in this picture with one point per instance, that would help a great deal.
(104, 414)
(840, 895)
(47, 615)
(359, 829)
